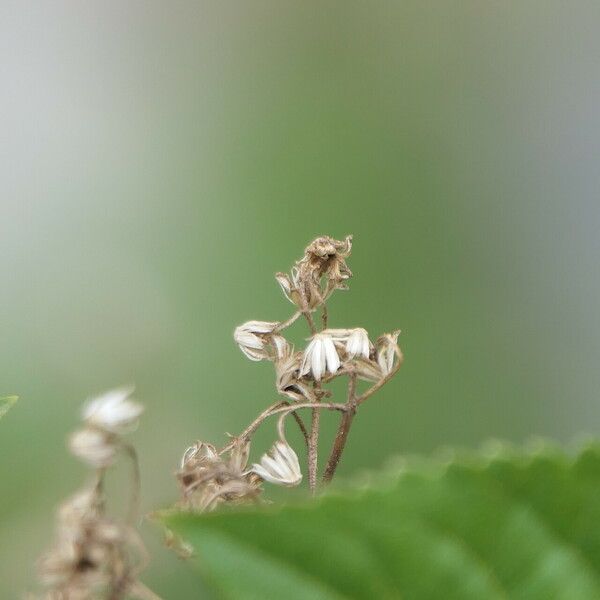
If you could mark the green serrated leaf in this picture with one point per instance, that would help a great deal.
(495, 525)
(6, 403)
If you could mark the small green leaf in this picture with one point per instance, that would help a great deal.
(6, 404)
(515, 524)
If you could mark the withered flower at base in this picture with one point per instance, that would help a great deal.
(208, 480)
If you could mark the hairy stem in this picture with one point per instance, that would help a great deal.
(324, 316)
(287, 323)
(313, 450)
(342, 433)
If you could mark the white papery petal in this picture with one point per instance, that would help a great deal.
(358, 343)
(320, 355)
(331, 356)
(279, 466)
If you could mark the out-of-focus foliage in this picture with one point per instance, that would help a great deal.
(160, 161)
(517, 525)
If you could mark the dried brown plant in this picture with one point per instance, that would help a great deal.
(209, 477)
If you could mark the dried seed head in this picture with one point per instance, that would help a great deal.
(113, 412)
(208, 480)
(94, 446)
(254, 338)
(318, 273)
(320, 356)
(279, 466)
(287, 378)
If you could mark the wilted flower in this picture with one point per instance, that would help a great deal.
(324, 259)
(387, 349)
(287, 377)
(94, 446)
(355, 341)
(280, 465)
(113, 412)
(320, 356)
(367, 369)
(207, 479)
(253, 338)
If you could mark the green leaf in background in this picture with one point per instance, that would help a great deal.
(6, 404)
(511, 524)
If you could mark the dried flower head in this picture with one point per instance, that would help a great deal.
(354, 342)
(319, 272)
(113, 412)
(254, 339)
(208, 480)
(320, 356)
(280, 465)
(288, 379)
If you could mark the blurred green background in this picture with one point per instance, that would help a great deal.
(160, 161)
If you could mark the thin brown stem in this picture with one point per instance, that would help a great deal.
(324, 316)
(302, 427)
(342, 433)
(277, 409)
(253, 426)
(287, 323)
(383, 380)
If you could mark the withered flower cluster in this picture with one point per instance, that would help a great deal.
(209, 477)
(95, 556)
